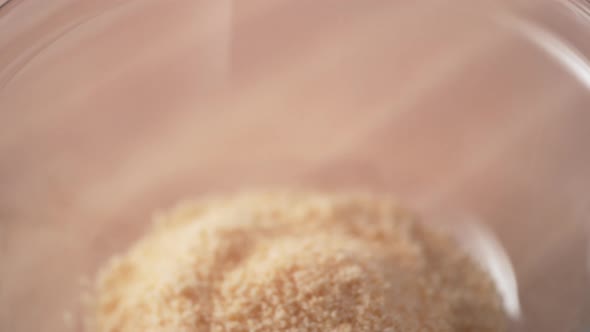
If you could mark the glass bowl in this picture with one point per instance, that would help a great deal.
(475, 113)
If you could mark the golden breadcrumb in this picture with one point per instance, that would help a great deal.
(294, 262)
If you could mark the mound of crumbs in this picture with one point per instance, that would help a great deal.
(294, 262)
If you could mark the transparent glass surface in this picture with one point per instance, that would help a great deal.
(476, 113)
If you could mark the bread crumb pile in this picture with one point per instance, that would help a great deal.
(294, 262)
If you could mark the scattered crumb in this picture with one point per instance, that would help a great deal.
(294, 262)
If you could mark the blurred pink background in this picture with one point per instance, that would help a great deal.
(111, 110)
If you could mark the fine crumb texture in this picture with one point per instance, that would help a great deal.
(294, 262)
